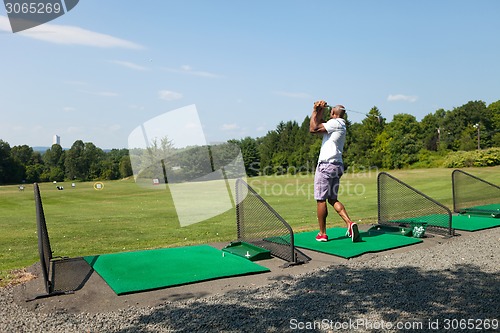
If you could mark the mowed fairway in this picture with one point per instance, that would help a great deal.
(125, 217)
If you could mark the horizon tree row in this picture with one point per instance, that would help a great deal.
(82, 162)
(290, 148)
(400, 143)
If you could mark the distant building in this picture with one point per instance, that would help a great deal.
(56, 140)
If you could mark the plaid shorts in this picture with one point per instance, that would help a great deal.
(327, 181)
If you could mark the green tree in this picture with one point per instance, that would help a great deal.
(192, 162)
(75, 166)
(431, 127)
(22, 154)
(361, 139)
(111, 164)
(34, 172)
(463, 118)
(21, 158)
(156, 161)
(250, 154)
(495, 123)
(381, 147)
(125, 167)
(35, 168)
(109, 169)
(267, 149)
(303, 160)
(53, 160)
(7, 165)
(93, 158)
(468, 139)
(398, 144)
(54, 156)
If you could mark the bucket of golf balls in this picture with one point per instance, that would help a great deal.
(418, 229)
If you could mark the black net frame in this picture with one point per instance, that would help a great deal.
(44, 248)
(60, 275)
(470, 191)
(259, 224)
(400, 204)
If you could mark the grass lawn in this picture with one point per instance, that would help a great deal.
(124, 217)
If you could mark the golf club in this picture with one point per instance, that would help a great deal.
(366, 114)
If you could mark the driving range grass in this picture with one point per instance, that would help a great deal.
(125, 217)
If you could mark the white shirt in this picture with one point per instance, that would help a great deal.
(333, 141)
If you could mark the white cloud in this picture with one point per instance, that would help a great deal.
(69, 109)
(169, 95)
(186, 69)
(229, 127)
(129, 65)
(292, 94)
(404, 98)
(70, 35)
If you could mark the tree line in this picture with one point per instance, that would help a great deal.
(375, 142)
(290, 148)
(83, 162)
(167, 164)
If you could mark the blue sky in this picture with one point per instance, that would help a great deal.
(106, 67)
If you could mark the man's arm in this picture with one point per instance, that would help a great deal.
(316, 122)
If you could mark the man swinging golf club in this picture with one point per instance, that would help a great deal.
(330, 166)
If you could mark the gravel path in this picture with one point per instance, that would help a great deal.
(453, 285)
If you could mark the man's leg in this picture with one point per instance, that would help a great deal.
(352, 227)
(340, 209)
(322, 211)
(337, 172)
(320, 194)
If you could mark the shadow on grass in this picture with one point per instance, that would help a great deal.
(404, 294)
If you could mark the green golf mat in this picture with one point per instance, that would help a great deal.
(342, 246)
(129, 272)
(459, 222)
(492, 210)
(473, 223)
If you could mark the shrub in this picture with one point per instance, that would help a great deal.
(429, 159)
(476, 158)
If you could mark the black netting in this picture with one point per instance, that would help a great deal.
(69, 274)
(400, 204)
(258, 223)
(61, 275)
(474, 195)
(44, 249)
